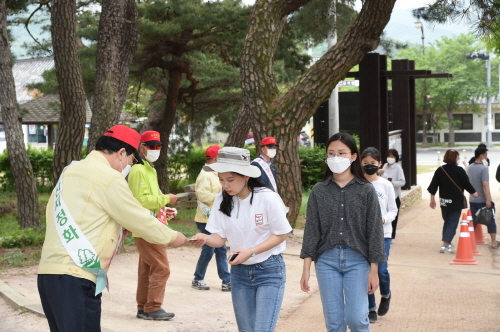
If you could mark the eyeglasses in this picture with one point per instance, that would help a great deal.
(153, 147)
(135, 161)
(341, 154)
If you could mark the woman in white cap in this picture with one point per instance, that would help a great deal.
(253, 219)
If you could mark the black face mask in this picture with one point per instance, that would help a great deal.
(370, 169)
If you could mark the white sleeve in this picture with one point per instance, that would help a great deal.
(392, 209)
(277, 214)
(214, 223)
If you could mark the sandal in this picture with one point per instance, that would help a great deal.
(497, 246)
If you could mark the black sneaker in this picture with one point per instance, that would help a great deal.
(200, 285)
(159, 315)
(372, 316)
(141, 314)
(226, 286)
(383, 308)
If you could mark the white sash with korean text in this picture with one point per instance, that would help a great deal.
(267, 169)
(204, 208)
(74, 241)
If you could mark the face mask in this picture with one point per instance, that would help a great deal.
(127, 168)
(370, 169)
(338, 165)
(485, 163)
(153, 155)
(391, 161)
(271, 153)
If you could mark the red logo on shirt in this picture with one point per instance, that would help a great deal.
(259, 219)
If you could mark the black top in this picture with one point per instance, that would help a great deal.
(263, 175)
(450, 197)
(348, 216)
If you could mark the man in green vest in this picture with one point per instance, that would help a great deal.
(154, 269)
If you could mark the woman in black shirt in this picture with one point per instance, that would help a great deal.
(451, 180)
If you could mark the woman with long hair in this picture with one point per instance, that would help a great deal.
(344, 237)
(371, 160)
(253, 219)
(451, 180)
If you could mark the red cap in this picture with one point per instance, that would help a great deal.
(212, 151)
(126, 135)
(268, 141)
(151, 137)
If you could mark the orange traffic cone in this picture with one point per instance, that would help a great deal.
(475, 252)
(464, 251)
(478, 231)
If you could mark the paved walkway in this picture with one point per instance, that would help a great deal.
(429, 294)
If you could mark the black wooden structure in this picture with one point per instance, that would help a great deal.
(374, 106)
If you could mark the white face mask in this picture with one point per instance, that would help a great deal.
(391, 161)
(338, 165)
(271, 153)
(127, 168)
(485, 163)
(153, 155)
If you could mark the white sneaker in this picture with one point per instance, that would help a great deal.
(443, 249)
(450, 250)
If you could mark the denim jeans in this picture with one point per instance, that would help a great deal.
(384, 278)
(206, 255)
(257, 291)
(492, 226)
(343, 285)
(451, 219)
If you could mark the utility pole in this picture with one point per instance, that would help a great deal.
(419, 25)
(333, 102)
(489, 116)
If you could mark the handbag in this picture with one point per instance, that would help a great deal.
(461, 191)
(484, 215)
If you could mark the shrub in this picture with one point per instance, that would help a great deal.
(23, 237)
(41, 161)
(312, 166)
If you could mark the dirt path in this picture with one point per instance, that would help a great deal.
(429, 294)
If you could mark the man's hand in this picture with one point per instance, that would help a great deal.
(433, 204)
(173, 199)
(488, 204)
(180, 241)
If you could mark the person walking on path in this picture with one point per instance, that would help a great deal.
(394, 173)
(207, 187)
(153, 268)
(451, 180)
(85, 215)
(263, 162)
(371, 160)
(479, 178)
(253, 219)
(344, 237)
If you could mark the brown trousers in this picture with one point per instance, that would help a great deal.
(153, 274)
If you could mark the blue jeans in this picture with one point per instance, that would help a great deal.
(492, 226)
(257, 291)
(451, 219)
(206, 255)
(343, 285)
(384, 277)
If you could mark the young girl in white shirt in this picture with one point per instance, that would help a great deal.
(371, 161)
(253, 219)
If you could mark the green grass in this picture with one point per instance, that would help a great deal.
(186, 213)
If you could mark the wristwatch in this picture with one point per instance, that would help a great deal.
(253, 252)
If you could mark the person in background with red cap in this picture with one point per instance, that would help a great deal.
(154, 269)
(263, 162)
(90, 206)
(206, 188)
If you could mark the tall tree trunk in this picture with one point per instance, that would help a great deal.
(240, 128)
(24, 180)
(117, 42)
(69, 77)
(284, 116)
(451, 131)
(163, 122)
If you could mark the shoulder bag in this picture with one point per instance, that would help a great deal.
(461, 191)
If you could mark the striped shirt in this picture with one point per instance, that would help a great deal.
(348, 216)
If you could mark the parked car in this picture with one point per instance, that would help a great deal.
(304, 140)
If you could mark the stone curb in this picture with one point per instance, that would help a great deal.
(19, 302)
